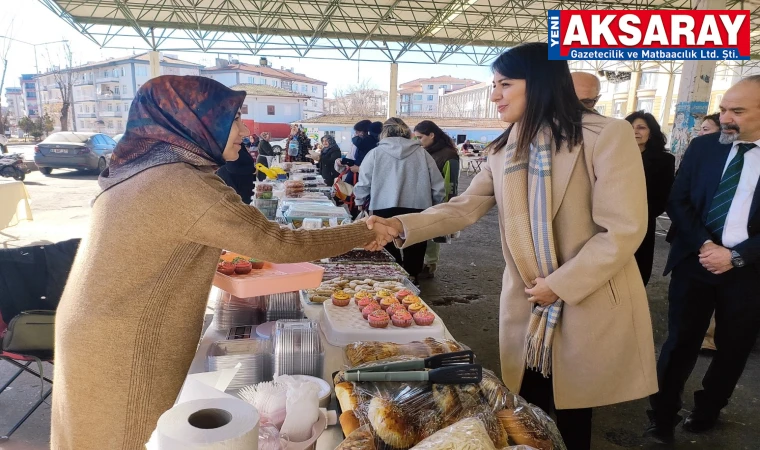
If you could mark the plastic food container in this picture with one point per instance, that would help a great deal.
(271, 279)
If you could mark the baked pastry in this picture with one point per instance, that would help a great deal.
(347, 397)
(378, 319)
(373, 306)
(348, 422)
(390, 424)
(340, 298)
(387, 301)
(256, 264)
(362, 294)
(524, 429)
(242, 266)
(410, 300)
(393, 308)
(364, 352)
(361, 302)
(424, 318)
(402, 319)
(382, 293)
(495, 393)
(361, 439)
(447, 402)
(403, 293)
(226, 267)
(414, 308)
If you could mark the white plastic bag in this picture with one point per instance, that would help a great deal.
(302, 408)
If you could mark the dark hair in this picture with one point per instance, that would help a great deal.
(714, 118)
(550, 97)
(363, 125)
(427, 126)
(657, 139)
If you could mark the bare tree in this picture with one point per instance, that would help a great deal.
(65, 77)
(362, 100)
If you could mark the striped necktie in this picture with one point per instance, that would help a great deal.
(721, 203)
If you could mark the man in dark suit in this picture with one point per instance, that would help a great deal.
(715, 262)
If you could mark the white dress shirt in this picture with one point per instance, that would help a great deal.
(735, 229)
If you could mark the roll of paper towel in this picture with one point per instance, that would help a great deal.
(209, 424)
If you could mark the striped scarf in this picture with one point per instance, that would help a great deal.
(530, 238)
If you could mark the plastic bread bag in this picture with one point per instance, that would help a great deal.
(364, 352)
(269, 438)
(467, 434)
(360, 439)
(403, 414)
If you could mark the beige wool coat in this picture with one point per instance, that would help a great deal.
(603, 349)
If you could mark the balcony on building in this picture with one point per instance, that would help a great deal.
(84, 82)
(109, 96)
(86, 115)
(108, 79)
(111, 114)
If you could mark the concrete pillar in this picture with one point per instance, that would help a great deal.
(393, 91)
(665, 107)
(633, 88)
(693, 95)
(155, 64)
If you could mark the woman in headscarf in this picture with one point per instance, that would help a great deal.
(574, 324)
(443, 150)
(329, 154)
(239, 174)
(124, 341)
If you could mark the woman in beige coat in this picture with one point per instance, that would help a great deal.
(574, 324)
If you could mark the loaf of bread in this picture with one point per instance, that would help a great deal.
(348, 399)
(348, 422)
(524, 429)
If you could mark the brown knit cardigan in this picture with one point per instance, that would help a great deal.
(130, 318)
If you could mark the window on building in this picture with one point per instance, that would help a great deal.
(405, 98)
(124, 90)
(122, 71)
(29, 85)
(418, 96)
(141, 71)
(416, 108)
(648, 80)
(645, 104)
(443, 86)
(118, 107)
(86, 108)
(304, 88)
(119, 124)
(270, 110)
(126, 106)
(314, 89)
(295, 87)
(110, 124)
(430, 86)
(116, 90)
(250, 80)
(274, 83)
(430, 98)
(244, 109)
(110, 107)
(429, 107)
(115, 72)
(404, 108)
(619, 108)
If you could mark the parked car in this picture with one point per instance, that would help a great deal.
(279, 145)
(73, 150)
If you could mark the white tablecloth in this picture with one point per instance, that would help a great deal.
(334, 361)
(14, 203)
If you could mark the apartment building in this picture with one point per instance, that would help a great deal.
(29, 93)
(364, 102)
(469, 102)
(14, 98)
(233, 72)
(103, 91)
(421, 96)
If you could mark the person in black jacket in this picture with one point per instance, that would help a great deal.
(659, 170)
(715, 262)
(266, 153)
(239, 175)
(326, 165)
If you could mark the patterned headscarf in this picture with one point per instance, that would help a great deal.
(174, 119)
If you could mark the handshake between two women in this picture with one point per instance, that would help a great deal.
(386, 230)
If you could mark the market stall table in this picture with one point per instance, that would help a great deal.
(473, 163)
(334, 361)
(14, 203)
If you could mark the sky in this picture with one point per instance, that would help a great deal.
(32, 22)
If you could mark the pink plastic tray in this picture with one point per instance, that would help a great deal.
(271, 279)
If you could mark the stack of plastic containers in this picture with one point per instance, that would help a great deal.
(298, 348)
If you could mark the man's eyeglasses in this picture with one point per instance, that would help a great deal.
(590, 102)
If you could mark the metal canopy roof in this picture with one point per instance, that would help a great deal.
(411, 31)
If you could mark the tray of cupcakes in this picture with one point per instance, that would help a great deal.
(399, 317)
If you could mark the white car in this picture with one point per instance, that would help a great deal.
(279, 145)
